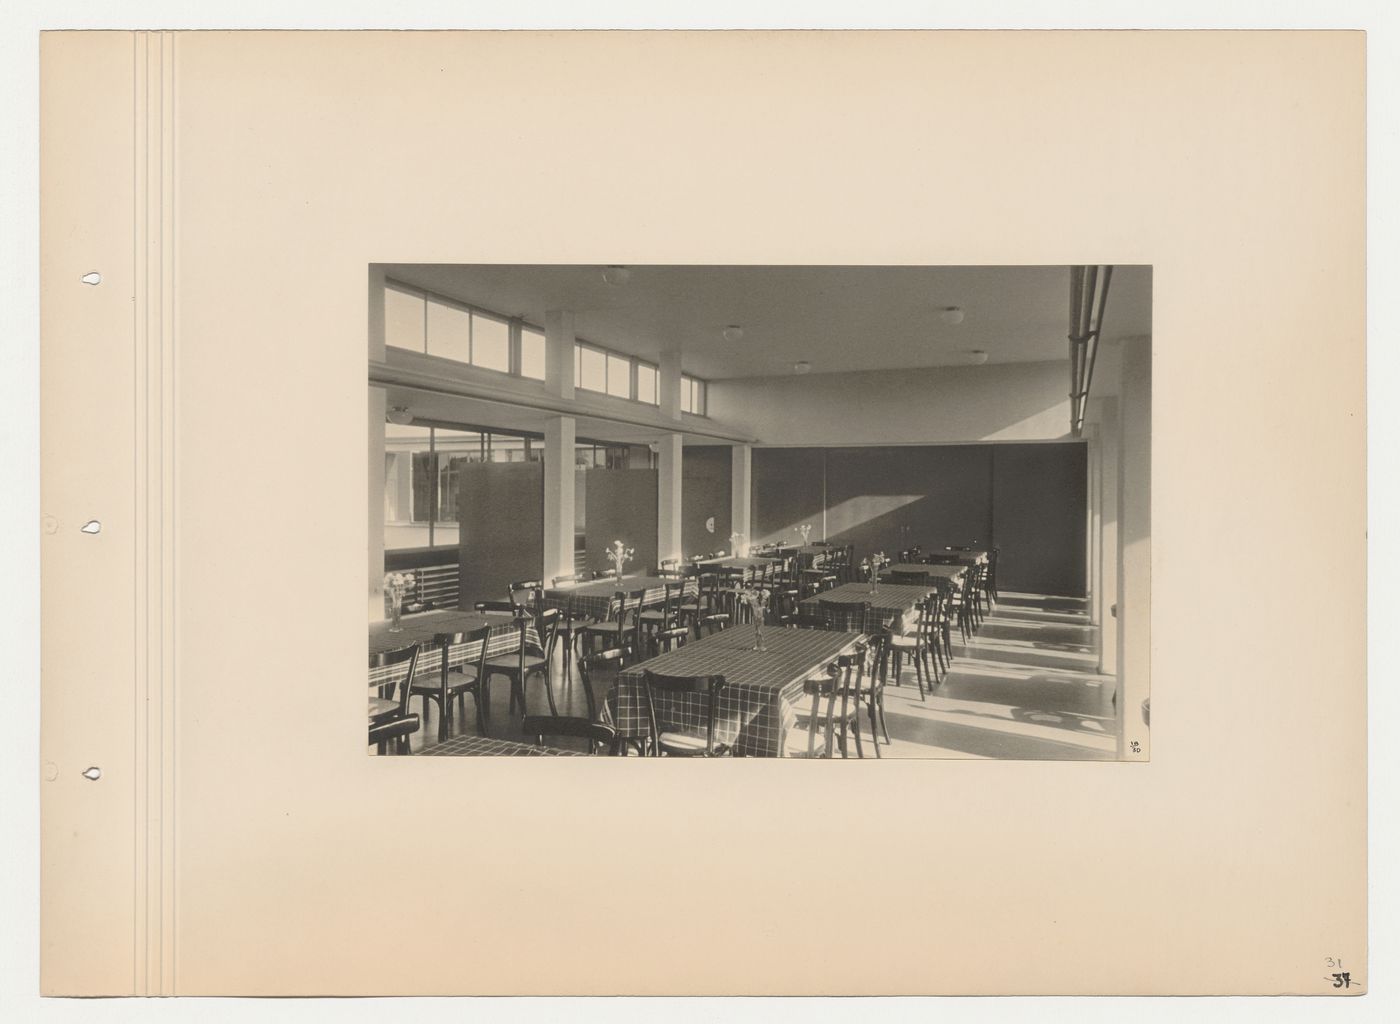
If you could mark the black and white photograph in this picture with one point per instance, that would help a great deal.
(760, 511)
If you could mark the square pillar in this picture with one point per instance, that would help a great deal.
(669, 381)
(668, 497)
(1134, 545)
(741, 491)
(559, 362)
(559, 433)
(1107, 583)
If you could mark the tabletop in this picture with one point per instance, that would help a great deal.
(595, 599)
(422, 627)
(734, 562)
(756, 706)
(485, 746)
(974, 557)
(947, 572)
(891, 603)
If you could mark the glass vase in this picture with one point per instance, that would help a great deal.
(396, 609)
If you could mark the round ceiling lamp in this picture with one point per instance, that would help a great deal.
(617, 276)
(802, 367)
(399, 414)
(733, 333)
(975, 357)
(951, 314)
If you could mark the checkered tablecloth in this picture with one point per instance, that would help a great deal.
(596, 599)
(757, 705)
(947, 572)
(485, 746)
(420, 629)
(892, 604)
(747, 564)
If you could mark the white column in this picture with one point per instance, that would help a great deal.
(1134, 544)
(559, 434)
(669, 381)
(668, 497)
(1108, 538)
(559, 362)
(376, 451)
(741, 490)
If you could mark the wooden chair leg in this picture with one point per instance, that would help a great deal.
(549, 693)
(855, 728)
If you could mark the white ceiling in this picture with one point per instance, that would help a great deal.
(836, 318)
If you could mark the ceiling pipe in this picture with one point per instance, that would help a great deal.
(1085, 333)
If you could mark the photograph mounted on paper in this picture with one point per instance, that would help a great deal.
(767, 511)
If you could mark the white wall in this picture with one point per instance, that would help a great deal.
(1006, 402)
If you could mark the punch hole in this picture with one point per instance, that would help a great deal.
(50, 771)
(92, 526)
(92, 277)
(93, 774)
(50, 524)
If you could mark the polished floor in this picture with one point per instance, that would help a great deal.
(1025, 687)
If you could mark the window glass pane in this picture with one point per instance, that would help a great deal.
(646, 384)
(505, 448)
(407, 486)
(449, 332)
(700, 397)
(578, 366)
(403, 319)
(490, 343)
(619, 377)
(531, 353)
(687, 394)
(593, 372)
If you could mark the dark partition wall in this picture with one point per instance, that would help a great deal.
(500, 511)
(788, 486)
(706, 472)
(1039, 503)
(621, 505)
(1029, 500)
(888, 498)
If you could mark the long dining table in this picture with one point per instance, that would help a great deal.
(947, 572)
(424, 626)
(891, 604)
(597, 599)
(947, 556)
(757, 707)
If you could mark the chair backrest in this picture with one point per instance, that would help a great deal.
(845, 616)
(406, 656)
(668, 640)
(712, 624)
(600, 737)
(547, 627)
(509, 607)
(528, 594)
(573, 577)
(446, 641)
(711, 686)
(600, 667)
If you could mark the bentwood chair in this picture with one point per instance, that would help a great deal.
(457, 681)
(916, 644)
(671, 741)
(706, 600)
(600, 738)
(533, 658)
(529, 595)
(659, 619)
(390, 721)
(622, 628)
(844, 681)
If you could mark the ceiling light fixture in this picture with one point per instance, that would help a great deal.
(733, 333)
(975, 356)
(951, 314)
(802, 367)
(617, 276)
(399, 414)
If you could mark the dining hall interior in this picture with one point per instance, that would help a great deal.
(832, 512)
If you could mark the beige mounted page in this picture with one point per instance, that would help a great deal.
(205, 402)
